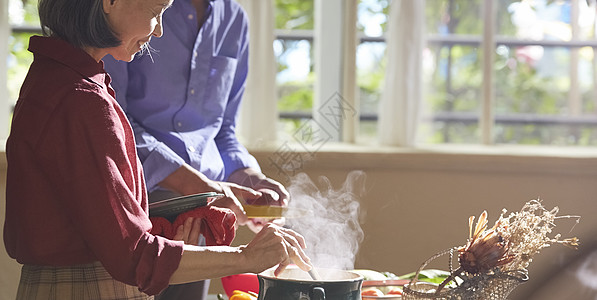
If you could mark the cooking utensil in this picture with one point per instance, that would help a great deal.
(170, 208)
(314, 274)
(296, 284)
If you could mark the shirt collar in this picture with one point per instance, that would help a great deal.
(71, 56)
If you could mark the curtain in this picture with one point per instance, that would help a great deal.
(402, 92)
(259, 114)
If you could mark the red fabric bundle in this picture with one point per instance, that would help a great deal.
(162, 227)
(217, 225)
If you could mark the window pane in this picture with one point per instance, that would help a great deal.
(294, 56)
(372, 16)
(292, 14)
(372, 21)
(452, 72)
(454, 17)
(22, 14)
(453, 95)
(535, 102)
(371, 63)
(546, 20)
(294, 80)
(545, 91)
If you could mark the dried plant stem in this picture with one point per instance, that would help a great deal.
(452, 276)
(416, 277)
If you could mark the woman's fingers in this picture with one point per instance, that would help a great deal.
(294, 248)
(183, 231)
(195, 232)
(299, 239)
(296, 256)
(275, 245)
(189, 231)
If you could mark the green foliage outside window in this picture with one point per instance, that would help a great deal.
(19, 60)
(23, 13)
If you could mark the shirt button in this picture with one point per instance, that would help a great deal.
(190, 16)
(191, 149)
(192, 91)
(179, 124)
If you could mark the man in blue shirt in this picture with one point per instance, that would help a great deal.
(182, 100)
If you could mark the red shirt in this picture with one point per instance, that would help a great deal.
(75, 189)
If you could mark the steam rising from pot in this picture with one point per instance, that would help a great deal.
(333, 232)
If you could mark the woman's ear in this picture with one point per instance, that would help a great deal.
(108, 5)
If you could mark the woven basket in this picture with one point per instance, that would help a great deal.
(494, 286)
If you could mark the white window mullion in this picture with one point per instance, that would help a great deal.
(487, 117)
(4, 103)
(574, 97)
(350, 89)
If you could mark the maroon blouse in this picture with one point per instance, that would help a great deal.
(75, 189)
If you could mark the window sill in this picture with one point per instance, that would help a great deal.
(475, 158)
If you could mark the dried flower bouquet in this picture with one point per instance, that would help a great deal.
(494, 261)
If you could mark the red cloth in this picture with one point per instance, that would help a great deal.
(217, 225)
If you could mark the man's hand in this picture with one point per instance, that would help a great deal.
(273, 192)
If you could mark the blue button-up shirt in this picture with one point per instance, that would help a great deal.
(183, 99)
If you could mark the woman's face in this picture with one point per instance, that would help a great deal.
(134, 22)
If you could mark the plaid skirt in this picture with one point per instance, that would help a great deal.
(85, 282)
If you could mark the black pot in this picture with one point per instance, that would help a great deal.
(296, 284)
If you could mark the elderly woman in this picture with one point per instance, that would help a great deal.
(76, 201)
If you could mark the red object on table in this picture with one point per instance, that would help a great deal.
(246, 282)
(217, 224)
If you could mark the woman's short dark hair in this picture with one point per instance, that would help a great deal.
(82, 23)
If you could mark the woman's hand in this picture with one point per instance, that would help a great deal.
(275, 245)
(189, 232)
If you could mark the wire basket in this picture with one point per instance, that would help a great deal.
(496, 285)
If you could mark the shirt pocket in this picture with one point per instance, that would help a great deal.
(219, 84)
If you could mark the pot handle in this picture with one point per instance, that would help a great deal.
(318, 293)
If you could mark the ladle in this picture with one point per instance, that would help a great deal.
(314, 275)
